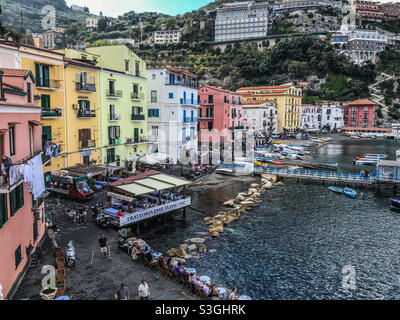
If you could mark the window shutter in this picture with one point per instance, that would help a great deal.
(110, 132)
(149, 112)
(88, 105)
(38, 79)
(21, 196)
(13, 202)
(140, 110)
(92, 80)
(117, 132)
(157, 112)
(46, 76)
(3, 209)
(78, 78)
(17, 256)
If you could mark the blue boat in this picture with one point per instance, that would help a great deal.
(395, 203)
(350, 192)
(336, 189)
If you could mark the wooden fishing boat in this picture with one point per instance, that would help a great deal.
(350, 192)
(336, 189)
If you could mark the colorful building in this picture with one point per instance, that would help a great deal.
(172, 113)
(48, 69)
(359, 113)
(21, 218)
(122, 88)
(260, 116)
(288, 99)
(81, 108)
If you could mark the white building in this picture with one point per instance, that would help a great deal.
(92, 22)
(167, 36)
(332, 116)
(77, 8)
(260, 116)
(53, 38)
(172, 113)
(310, 117)
(241, 20)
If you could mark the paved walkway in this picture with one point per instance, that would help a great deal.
(100, 281)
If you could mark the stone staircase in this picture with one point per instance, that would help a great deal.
(376, 93)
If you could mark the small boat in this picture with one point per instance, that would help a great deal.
(395, 203)
(350, 192)
(225, 171)
(336, 189)
(375, 156)
(333, 165)
(365, 161)
(277, 163)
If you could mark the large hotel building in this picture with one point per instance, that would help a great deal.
(241, 20)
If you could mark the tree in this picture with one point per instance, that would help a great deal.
(102, 25)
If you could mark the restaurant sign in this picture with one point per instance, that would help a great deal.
(130, 218)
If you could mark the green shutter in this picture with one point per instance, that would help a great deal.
(3, 209)
(13, 203)
(38, 79)
(17, 255)
(35, 231)
(46, 76)
(20, 193)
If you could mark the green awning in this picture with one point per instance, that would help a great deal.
(177, 182)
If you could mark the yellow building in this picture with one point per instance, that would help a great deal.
(48, 68)
(81, 108)
(288, 100)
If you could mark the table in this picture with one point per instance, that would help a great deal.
(191, 270)
(243, 297)
(222, 292)
(205, 279)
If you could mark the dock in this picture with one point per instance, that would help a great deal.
(330, 177)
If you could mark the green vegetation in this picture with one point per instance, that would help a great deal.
(389, 62)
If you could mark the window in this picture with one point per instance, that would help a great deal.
(137, 110)
(16, 199)
(126, 65)
(11, 133)
(114, 133)
(111, 87)
(137, 69)
(1, 87)
(45, 101)
(17, 256)
(29, 92)
(153, 76)
(35, 231)
(153, 113)
(171, 95)
(3, 209)
(153, 95)
(154, 130)
(42, 75)
(110, 155)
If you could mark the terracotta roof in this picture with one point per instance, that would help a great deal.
(220, 90)
(133, 178)
(14, 72)
(308, 105)
(183, 71)
(361, 102)
(265, 87)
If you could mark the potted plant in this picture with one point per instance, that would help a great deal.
(48, 293)
(60, 275)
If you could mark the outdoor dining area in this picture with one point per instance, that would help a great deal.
(145, 196)
(200, 286)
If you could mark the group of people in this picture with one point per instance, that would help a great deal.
(168, 266)
(143, 292)
(80, 216)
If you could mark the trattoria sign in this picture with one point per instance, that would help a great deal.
(130, 218)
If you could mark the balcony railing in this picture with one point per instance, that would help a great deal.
(114, 117)
(114, 94)
(189, 120)
(85, 87)
(136, 140)
(189, 101)
(85, 144)
(86, 114)
(48, 84)
(207, 116)
(114, 141)
(137, 96)
(50, 113)
(183, 83)
(137, 117)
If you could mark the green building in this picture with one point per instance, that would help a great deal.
(123, 104)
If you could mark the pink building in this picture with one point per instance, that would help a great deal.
(219, 109)
(360, 113)
(21, 218)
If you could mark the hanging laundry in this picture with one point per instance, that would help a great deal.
(37, 183)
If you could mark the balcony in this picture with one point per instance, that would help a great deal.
(51, 113)
(85, 87)
(7, 187)
(47, 84)
(189, 120)
(114, 94)
(189, 102)
(137, 96)
(189, 84)
(136, 140)
(114, 117)
(137, 117)
(207, 116)
(114, 141)
(86, 144)
(86, 114)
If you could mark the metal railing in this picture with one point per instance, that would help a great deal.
(86, 114)
(114, 141)
(114, 93)
(114, 117)
(84, 144)
(137, 117)
(136, 140)
(48, 83)
(85, 87)
(51, 112)
(137, 96)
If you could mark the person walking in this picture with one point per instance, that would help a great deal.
(103, 245)
(122, 293)
(144, 291)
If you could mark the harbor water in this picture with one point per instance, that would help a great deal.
(295, 244)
